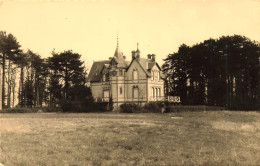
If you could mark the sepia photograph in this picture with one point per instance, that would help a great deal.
(129, 83)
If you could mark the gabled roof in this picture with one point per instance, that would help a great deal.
(150, 65)
(95, 74)
(147, 65)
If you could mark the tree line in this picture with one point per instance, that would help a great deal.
(219, 72)
(42, 81)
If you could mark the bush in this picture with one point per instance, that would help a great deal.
(30, 110)
(79, 106)
(155, 107)
(130, 108)
(66, 105)
(101, 107)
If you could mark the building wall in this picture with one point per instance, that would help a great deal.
(126, 83)
(96, 89)
(140, 82)
(154, 83)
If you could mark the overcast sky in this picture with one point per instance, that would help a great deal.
(90, 27)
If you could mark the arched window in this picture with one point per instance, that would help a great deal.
(156, 92)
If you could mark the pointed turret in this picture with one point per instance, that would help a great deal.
(118, 56)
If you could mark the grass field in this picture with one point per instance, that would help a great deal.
(187, 138)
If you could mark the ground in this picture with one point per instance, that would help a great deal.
(187, 138)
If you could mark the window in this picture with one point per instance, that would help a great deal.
(135, 93)
(121, 90)
(107, 77)
(114, 73)
(104, 77)
(135, 75)
(106, 95)
(152, 75)
(155, 75)
(156, 92)
(152, 92)
(120, 72)
(158, 75)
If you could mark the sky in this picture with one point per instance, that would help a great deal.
(90, 27)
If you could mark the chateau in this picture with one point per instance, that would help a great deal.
(139, 80)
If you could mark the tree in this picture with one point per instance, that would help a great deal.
(9, 46)
(67, 73)
(222, 72)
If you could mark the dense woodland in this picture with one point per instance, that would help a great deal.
(220, 72)
(36, 81)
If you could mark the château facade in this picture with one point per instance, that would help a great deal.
(139, 80)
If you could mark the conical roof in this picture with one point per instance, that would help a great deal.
(118, 56)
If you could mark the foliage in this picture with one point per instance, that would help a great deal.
(130, 108)
(67, 75)
(30, 110)
(81, 100)
(9, 47)
(155, 107)
(217, 72)
(58, 79)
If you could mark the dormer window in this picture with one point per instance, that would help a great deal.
(105, 77)
(158, 75)
(152, 75)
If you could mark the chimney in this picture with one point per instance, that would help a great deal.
(153, 57)
(149, 56)
(137, 54)
(137, 51)
(133, 54)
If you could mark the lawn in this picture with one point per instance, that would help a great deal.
(187, 138)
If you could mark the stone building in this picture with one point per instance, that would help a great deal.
(139, 80)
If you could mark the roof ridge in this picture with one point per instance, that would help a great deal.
(102, 61)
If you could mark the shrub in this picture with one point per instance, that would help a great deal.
(100, 107)
(155, 107)
(130, 108)
(66, 105)
(30, 110)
